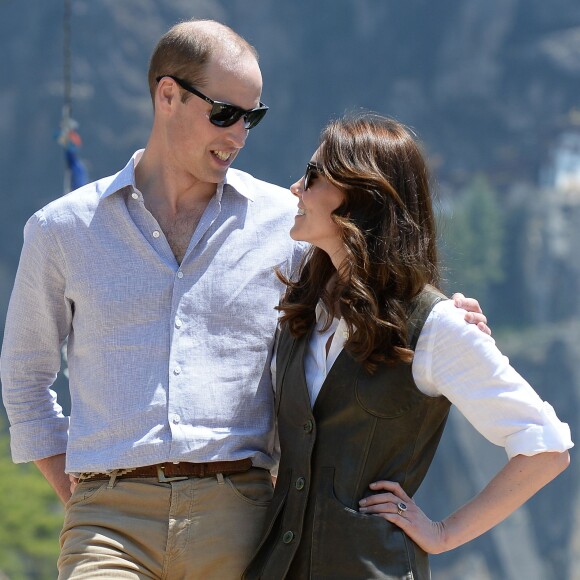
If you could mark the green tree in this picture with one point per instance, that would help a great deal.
(472, 236)
(30, 519)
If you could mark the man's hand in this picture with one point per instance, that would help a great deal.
(474, 313)
(74, 481)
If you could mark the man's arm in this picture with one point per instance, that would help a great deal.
(37, 322)
(53, 470)
(474, 313)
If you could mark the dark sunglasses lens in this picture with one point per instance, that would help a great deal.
(311, 173)
(224, 115)
(254, 117)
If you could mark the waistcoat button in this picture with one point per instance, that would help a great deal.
(288, 537)
(308, 426)
(300, 482)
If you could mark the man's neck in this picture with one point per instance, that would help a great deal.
(162, 185)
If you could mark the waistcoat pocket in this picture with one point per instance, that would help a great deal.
(389, 393)
(347, 544)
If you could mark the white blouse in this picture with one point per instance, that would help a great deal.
(455, 359)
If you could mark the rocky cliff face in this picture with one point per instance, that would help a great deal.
(490, 87)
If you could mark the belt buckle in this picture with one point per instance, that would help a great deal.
(163, 479)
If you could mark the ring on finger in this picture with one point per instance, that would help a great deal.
(401, 507)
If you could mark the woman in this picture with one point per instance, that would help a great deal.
(370, 358)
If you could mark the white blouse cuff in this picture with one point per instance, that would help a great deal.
(551, 435)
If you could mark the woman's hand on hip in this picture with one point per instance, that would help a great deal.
(390, 502)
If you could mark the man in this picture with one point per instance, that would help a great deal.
(161, 277)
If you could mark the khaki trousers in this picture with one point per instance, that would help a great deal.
(199, 528)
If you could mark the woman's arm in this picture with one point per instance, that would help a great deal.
(455, 360)
(519, 480)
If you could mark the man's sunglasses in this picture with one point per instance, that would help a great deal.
(312, 170)
(224, 114)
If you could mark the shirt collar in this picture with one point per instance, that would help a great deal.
(337, 324)
(240, 182)
(320, 310)
(126, 177)
(322, 315)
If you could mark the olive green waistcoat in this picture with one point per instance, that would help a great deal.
(363, 428)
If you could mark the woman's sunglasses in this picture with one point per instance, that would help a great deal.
(224, 114)
(312, 170)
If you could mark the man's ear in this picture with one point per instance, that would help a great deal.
(166, 93)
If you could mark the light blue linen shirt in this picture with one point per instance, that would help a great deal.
(167, 362)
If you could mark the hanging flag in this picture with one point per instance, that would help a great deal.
(76, 173)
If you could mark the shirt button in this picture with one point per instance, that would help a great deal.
(300, 483)
(177, 323)
(176, 420)
(308, 426)
(156, 234)
(288, 537)
(135, 195)
(180, 274)
(176, 370)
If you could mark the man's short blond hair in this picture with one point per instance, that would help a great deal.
(185, 49)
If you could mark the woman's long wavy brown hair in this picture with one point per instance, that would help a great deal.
(388, 229)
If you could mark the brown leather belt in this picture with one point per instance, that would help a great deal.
(177, 471)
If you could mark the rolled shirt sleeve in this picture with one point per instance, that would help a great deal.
(37, 323)
(456, 360)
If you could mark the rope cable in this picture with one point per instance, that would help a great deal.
(66, 123)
